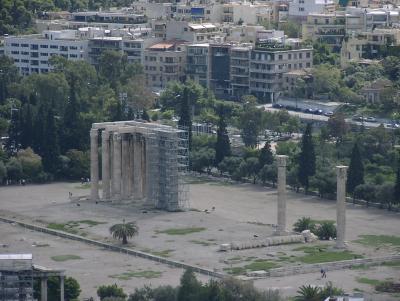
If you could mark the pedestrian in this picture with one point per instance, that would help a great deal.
(323, 273)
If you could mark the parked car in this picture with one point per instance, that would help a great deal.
(328, 114)
(371, 119)
(277, 106)
(318, 111)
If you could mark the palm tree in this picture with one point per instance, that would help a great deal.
(308, 293)
(124, 231)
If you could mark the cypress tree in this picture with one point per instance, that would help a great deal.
(71, 123)
(355, 174)
(145, 116)
(39, 131)
(185, 119)
(397, 185)
(14, 132)
(50, 146)
(266, 156)
(27, 131)
(223, 146)
(306, 158)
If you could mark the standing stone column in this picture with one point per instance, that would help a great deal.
(105, 164)
(43, 288)
(62, 288)
(144, 165)
(341, 173)
(125, 167)
(137, 167)
(130, 170)
(117, 166)
(94, 165)
(281, 227)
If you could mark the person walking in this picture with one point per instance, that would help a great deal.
(323, 273)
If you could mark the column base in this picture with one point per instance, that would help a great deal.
(281, 233)
(340, 245)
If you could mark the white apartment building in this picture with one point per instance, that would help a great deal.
(300, 9)
(191, 32)
(31, 53)
(247, 13)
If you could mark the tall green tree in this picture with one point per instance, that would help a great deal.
(250, 124)
(50, 147)
(306, 158)
(397, 184)
(39, 125)
(266, 156)
(14, 132)
(27, 130)
(72, 126)
(189, 287)
(223, 146)
(355, 174)
(185, 118)
(124, 231)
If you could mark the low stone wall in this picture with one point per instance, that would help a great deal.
(270, 241)
(110, 247)
(328, 266)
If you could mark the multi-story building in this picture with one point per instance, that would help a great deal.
(220, 69)
(197, 63)
(300, 9)
(270, 60)
(31, 53)
(370, 45)
(247, 13)
(164, 62)
(191, 32)
(325, 28)
(239, 64)
(120, 17)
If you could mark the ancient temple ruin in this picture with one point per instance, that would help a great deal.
(140, 160)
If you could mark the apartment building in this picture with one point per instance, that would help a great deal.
(197, 63)
(120, 17)
(241, 33)
(270, 60)
(325, 28)
(247, 13)
(220, 69)
(369, 45)
(239, 70)
(191, 32)
(164, 62)
(300, 9)
(31, 53)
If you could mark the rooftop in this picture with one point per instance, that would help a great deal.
(15, 256)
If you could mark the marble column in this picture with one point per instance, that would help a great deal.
(105, 164)
(125, 167)
(62, 288)
(144, 165)
(94, 165)
(341, 173)
(43, 289)
(117, 166)
(281, 225)
(137, 167)
(130, 170)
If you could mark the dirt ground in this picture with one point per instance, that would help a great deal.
(241, 213)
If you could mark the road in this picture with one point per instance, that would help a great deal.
(322, 118)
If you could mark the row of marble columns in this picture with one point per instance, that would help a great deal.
(43, 288)
(341, 174)
(123, 165)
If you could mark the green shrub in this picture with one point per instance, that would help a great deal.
(326, 230)
(304, 223)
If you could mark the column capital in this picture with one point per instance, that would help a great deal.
(341, 171)
(281, 160)
(105, 135)
(94, 133)
(116, 136)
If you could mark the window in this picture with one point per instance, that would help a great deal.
(308, 55)
(24, 61)
(280, 57)
(34, 63)
(34, 47)
(53, 46)
(43, 62)
(300, 55)
(44, 54)
(308, 65)
(290, 56)
(16, 60)
(24, 45)
(73, 47)
(14, 44)
(185, 29)
(326, 21)
(63, 48)
(301, 8)
(44, 70)
(14, 52)
(300, 65)
(44, 46)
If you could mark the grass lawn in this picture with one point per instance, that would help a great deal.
(369, 281)
(235, 270)
(328, 256)
(148, 274)
(63, 227)
(181, 231)
(378, 240)
(65, 257)
(394, 263)
(260, 264)
(163, 253)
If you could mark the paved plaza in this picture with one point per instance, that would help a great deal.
(221, 213)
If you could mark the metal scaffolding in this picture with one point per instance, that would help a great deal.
(148, 161)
